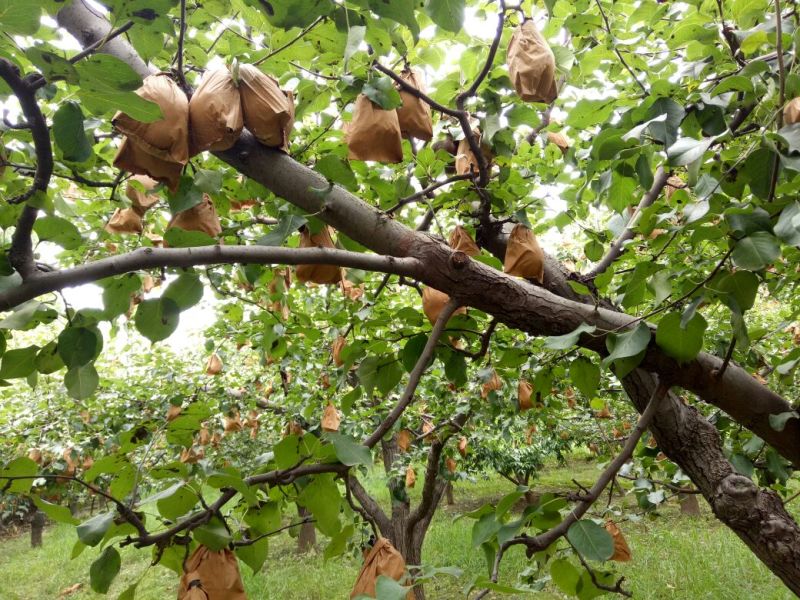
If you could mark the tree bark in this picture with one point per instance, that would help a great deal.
(449, 494)
(307, 536)
(37, 528)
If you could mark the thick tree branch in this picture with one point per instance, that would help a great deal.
(616, 249)
(149, 258)
(415, 376)
(369, 504)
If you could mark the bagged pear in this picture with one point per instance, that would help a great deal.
(338, 345)
(201, 217)
(374, 133)
(214, 365)
(524, 393)
(404, 439)
(532, 65)
(125, 220)
(414, 115)
(558, 139)
(622, 553)
(141, 201)
(461, 241)
(492, 385)
(433, 302)
(382, 559)
(524, 257)
(791, 112)
(466, 161)
(268, 111)
(462, 446)
(321, 274)
(159, 149)
(411, 477)
(210, 575)
(215, 112)
(330, 418)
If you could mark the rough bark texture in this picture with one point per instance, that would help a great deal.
(37, 528)
(307, 536)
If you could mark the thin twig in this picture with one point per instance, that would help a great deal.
(179, 56)
(422, 193)
(298, 37)
(616, 50)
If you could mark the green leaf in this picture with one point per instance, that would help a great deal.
(778, 422)
(323, 499)
(585, 375)
(93, 531)
(52, 66)
(295, 13)
(447, 14)
(78, 346)
(213, 535)
(563, 342)
(687, 150)
(187, 196)
(254, 555)
(485, 529)
(117, 294)
(51, 228)
(157, 318)
(589, 112)
(69, 133)
(412, 350)
(338, 543)
(107, 84)
(591, 540)
(788, 226)
(757, 251)
(355, 35)
(18, 362)
(81, 382)
(742, 287)
(179, 238)
(565, 575)
(387, 588)
(208, 181)
(59, 514)
(401, 11)
(19, 17)
(129, 593)
(348, 450)
(285, 227)
(681, 343)
(185, 291)
(19, 467)
(381, 91)
(104, 570)
(627, 349)
(177, 503)
(337, 170)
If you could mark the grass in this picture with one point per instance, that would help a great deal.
(673, 557)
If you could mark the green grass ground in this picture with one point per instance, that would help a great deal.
(673, 557)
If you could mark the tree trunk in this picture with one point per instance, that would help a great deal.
(307, 537)
(689, 504)
(449, 494)
(37, 528)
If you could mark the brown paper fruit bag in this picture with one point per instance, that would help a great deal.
(159, 149)
(622, 553)
(532, 65)
(374, 133)
(411, 477)
(524, 392)
(141, 201)
(462, 446)
(202, 217)
(321, 274)
(330, 418)
(268, 110)
(414, 115)
(215, 112)
(215, 574)
(338, 345)
(433, 302)
(461, 241)
(383, 559)
(791, 112)
(466, 162)
(558, 139)
(524, 256)
(125, 220)
(404, 439)
(492, 385)
(214, 365)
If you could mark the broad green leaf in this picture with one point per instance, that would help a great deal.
(585, 375)
(50, 228)
(157, 318)
(563, 342)
(381, 91)
(687, 150)
(387, 588)
(104, 570)
(81, 382)
(591, 540)
(69, 133)
(19, 467)
(78, 346)
(337, 170)
(788, 226)
(213, 535)
(565, 575)
(185, 291)
(20, 18)
(92, 532)
(627, 349)
(295, 13)
(447, 14)
(176, 504)
(757, 251)
(280, 233)
(681, 343)
(741, 286)
(323, 499)
(107, 84)
(18, 362)
(355, 36)
(56, 512)
(187, 196)
(254, 555)
(348, 450)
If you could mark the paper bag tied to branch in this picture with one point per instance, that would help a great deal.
(141, 201)
(383, 559)
(791, 112)
(268, 110)
(159, 149)
(330, 418)
(524, 393)
(211, 575)
(374, 133)
(125, 220)
(433, 302)
(524, 257)
(622, 553)
(321, 274)
(532, 65)
(202, 217)
(466, 161)
(414, 115)
(215, 112)
(462, 241)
